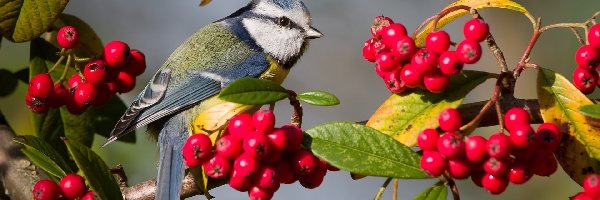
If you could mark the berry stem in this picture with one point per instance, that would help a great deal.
(57, 63)
(64, 74)
(468, 128)
(382, 189)
(395, 191)
(81, 60)
(296, 118)
(579, 38)
(493, 46)
(450, 182)
(414, 35)
(79, 71)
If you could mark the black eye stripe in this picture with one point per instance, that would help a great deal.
(285, 22)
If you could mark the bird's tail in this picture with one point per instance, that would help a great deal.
(170, 168)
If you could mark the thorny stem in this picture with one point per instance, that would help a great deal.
(298, 112)
(382, 189)
(395, 191)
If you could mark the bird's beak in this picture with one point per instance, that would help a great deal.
(313, 33)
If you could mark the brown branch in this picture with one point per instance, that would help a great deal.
(298, 112)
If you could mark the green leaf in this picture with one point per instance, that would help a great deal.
(359, 149)
(436, 192)
(404, 116)
(318, 98)
(8, 82)
(97, 174)
(105, 118)
(43, 155)
(25, 20)
(23, 75)
(559, 104)
(592, 111)
(252, 91)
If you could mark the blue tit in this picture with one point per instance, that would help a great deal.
(264, 40)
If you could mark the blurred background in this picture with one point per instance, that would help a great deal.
(333, 63)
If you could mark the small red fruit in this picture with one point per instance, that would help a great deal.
(450, 120)
(585, 80)
(516, 117)
(104, 95)
(257, 145)
(594, 36)
(263, 120)
(304, 162)
(246, 165)
(257, 193)
(72, 186)
(548, 136)
(392, 32)
(438, 41)
(285, 173)
(315, 179)
(581, 196)
(591, 185)
(519, 173)
(217, 167)
(241, 125)
(240, 181)
(543, 163)
(267, 178)
(116, 54)
(36, 105)
(433, 163)
(295, 137)
(45, 190)
(95, 72)
(450, 64)
(137, 63)
(587, 57)
(387, 61)
(126, 82)
(425, 61)
(475, 149)
(493, 184)
(41, 86)
(428, 140)
(58, 97)
(404, 47)
(67, 37)
(499, 146)
(411, 76)
(378, 24)
(522, 136)
(459, 168)
(393, 82)
(451, 145)
(197, 149)
(278, 139)
(496, 167)
(89, 196)
(436, 82)
(476, 30)
(369, 52)
(74, 81)
(85, 94)
(469, 52)
(229, 147)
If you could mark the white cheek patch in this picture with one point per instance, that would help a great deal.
(281, 43)
(296, 14)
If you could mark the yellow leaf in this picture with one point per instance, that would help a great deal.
(559, 104)
(204, 2)
(476, 4)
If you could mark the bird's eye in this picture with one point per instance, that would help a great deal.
(283, 21)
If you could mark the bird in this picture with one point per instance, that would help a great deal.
(263, 39)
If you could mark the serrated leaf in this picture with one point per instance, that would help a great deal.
(89, 45)
(105, 118)
(253, 91)
(404, 116)
(95, 171)
(25, 20)
(559, 103)
(44, 156)
(8, 82)
(23, 75)
(476, 4)
(436, 192)
(359, 149)
(318, 98)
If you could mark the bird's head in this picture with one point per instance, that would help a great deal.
(281, 28)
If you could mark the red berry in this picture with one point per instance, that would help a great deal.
(304, 162)
(594, 36)
(75, 81)
(382, 74)
(116, 54)
(581, 196)
(36, 105)
(526, 153)
(41, 86)
(450, 120)
(295, 137)
(126, 82)
(45, 190)
(89, 196)
(499, 146)
(469, 52)
(285, 173)
(496, 167)
(72, 186)
(436, 82)
(267, 178)
(477, 176)
(475, 149)
(476, 30)
(522, 136)
(451, 145)
(217, 167)
(257, 145)
(433, 163)
(369, 52)
(67, 37)
(278, 139)
(450, 64)
(137, 63)
(113, 86)
(543, 163)
(516, 117)
(438, 41)
(240, 181)
(493, 184)
(197, 149)
(85, 94)
(404, 47)
(587, 57)
(246, 165)
(229, 147)
(241, 125)
(585, 80)
(392, 32)
(428, 140)
(59, 96)
(459, 168)
(263, 120)
(519, 173)
(73, 107)
(378, 24)
(425, 61)
(95, 72)
(393, 82)
(274, 156)
(591, 185)
(387, 61)
(257, 193)
(103, 95)
(548, 136)
(411, 76)
(315, 179)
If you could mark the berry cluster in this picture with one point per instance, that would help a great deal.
(495, 161)
(585, 76)
(591, 188)
(72, 186)
(257, 157)
(96, 83)
(401, 64)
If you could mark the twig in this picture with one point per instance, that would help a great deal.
(298, 112)
(395, 192)
(578, 36)
(118, 170)
(453, 187)
(382, 189)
